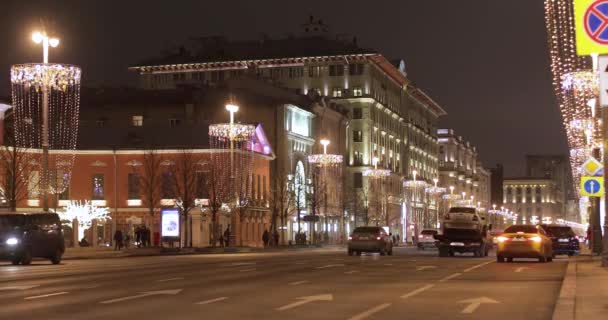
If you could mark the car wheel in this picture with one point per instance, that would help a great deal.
(451, 253)
(26, 257)
(570, 254)
(542, 259)
(390, 252)
(15, 261)
(509, 260)
(443, 252)
(549, 259)
(350, 252)
(500, 259)
(383, 252)
(358, 253)
(56, 259)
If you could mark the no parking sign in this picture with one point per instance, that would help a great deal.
(591, 24)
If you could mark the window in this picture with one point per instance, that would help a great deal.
(98, 187)
(357, 136)
(174, 122)
(355, 69)
(336, 70)
(137, 121)
(317, 91)
(314, 72)
(201, 190)
(296, 72)
(62, 180)
(300, 123)
(357, 113)
(538, 195)
(358, 158)
(337, 92)
(358, 179)
(167, 186)
(100, 123)
(133, 186)
(357, 92)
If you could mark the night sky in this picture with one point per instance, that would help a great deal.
(484, 61)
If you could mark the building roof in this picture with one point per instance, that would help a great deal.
(425, 100)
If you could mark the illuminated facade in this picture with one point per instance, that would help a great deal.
(534, 200)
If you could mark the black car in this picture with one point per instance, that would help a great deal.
(370, 239)
(24, 236)
(564, 239)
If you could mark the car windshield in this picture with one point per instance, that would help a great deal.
(524, 229)
(9, 222)
(559, 231)
(428, 232)
(366, 230)
(462, 210)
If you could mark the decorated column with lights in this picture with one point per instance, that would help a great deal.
(417, 216)
(377, 178)
(436, 193)
(46, 98)
(328, 171)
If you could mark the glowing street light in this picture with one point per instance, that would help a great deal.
(325, 143)
(451, 190)
(42, 37)
(232, 108)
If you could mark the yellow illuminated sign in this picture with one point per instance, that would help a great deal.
(591, 26)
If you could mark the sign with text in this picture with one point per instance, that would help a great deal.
(170, 222)
(590, 23)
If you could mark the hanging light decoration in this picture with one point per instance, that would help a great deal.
(46, 100)
(84, 212)
(232, 156)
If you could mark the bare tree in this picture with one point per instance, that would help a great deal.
(150, 180)
(282, 201)
(299, 194)
(184, 171)
(316, 198)
(215, 180)
(16, 172)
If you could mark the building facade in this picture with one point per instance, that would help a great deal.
(393, 123)
(534, 200)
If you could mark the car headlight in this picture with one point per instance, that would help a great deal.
(12, 241)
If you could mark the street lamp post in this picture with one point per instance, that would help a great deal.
(46, 41)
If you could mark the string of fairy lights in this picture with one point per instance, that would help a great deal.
(62, 85)
(575, 87)
(328, 170)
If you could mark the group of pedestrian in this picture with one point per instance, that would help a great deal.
(142, 236)
(270, 238)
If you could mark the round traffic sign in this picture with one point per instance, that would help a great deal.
(596, 21)
(591, 186)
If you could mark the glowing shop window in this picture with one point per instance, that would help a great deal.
(300, 123)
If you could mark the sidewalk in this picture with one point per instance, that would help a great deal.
(105, 253)
(584, 292)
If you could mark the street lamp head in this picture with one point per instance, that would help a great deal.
(37, 37)
(54, 42)
(435, 180)
(232, 108)
(324, 142)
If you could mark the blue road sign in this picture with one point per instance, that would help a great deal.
(592, 186)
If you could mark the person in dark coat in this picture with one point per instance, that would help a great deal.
(117, 240)
(265, 238)
(276, 238)
(227, 237)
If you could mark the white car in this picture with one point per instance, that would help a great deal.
(462, 218)
(426, 239)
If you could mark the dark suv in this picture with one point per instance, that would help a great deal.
(564, 239)
(24, 236)
(370, 239)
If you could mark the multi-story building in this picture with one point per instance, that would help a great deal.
(534, 200)
(497, 177)
(391, 120)
(461, 173)
(556, 168)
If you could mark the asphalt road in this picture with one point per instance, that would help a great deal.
(290, 285)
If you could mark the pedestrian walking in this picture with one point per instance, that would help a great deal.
(276, 238)
(138, 236)
(127, 240)
(117, 240)
(221, 237)
(265, 238)
(227, 237)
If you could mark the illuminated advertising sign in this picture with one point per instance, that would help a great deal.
(170, 222)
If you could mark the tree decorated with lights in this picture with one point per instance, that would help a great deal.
(84, 212)
(377, 196)
(46, 100)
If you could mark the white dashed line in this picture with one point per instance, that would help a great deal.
(351, 272)
(331, 266)
(477, 266)
(246, 270)
(212, 300)
(171, 279)
(417, 291)
(295, 283)
(46, 295)
(452, 276)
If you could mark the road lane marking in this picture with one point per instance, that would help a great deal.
(236, 264)
(422, 268)
(474, 303)
(46, 295)
(452, 276)
(370, 312)
(388, 264)
(520, 269)
(247, 270)
(26, 287)
(305, 300)
(300, 262)
(212, 300)
(295, 283)
(331, 266)
(478, 266)
(351, 272)
(170, 279)
(92, 287)
(417, 291)
(142, 295)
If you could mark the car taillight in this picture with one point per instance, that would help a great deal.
(447, 216)
(536, 239)
(350, 237)
(420, 236)
(378, 238)
(502, 239)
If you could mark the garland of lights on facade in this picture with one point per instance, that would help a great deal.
(62, 85)
(328, 168)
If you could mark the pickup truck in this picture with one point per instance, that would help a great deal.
(464, 230)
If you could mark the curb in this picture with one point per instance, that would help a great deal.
(566, 302)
